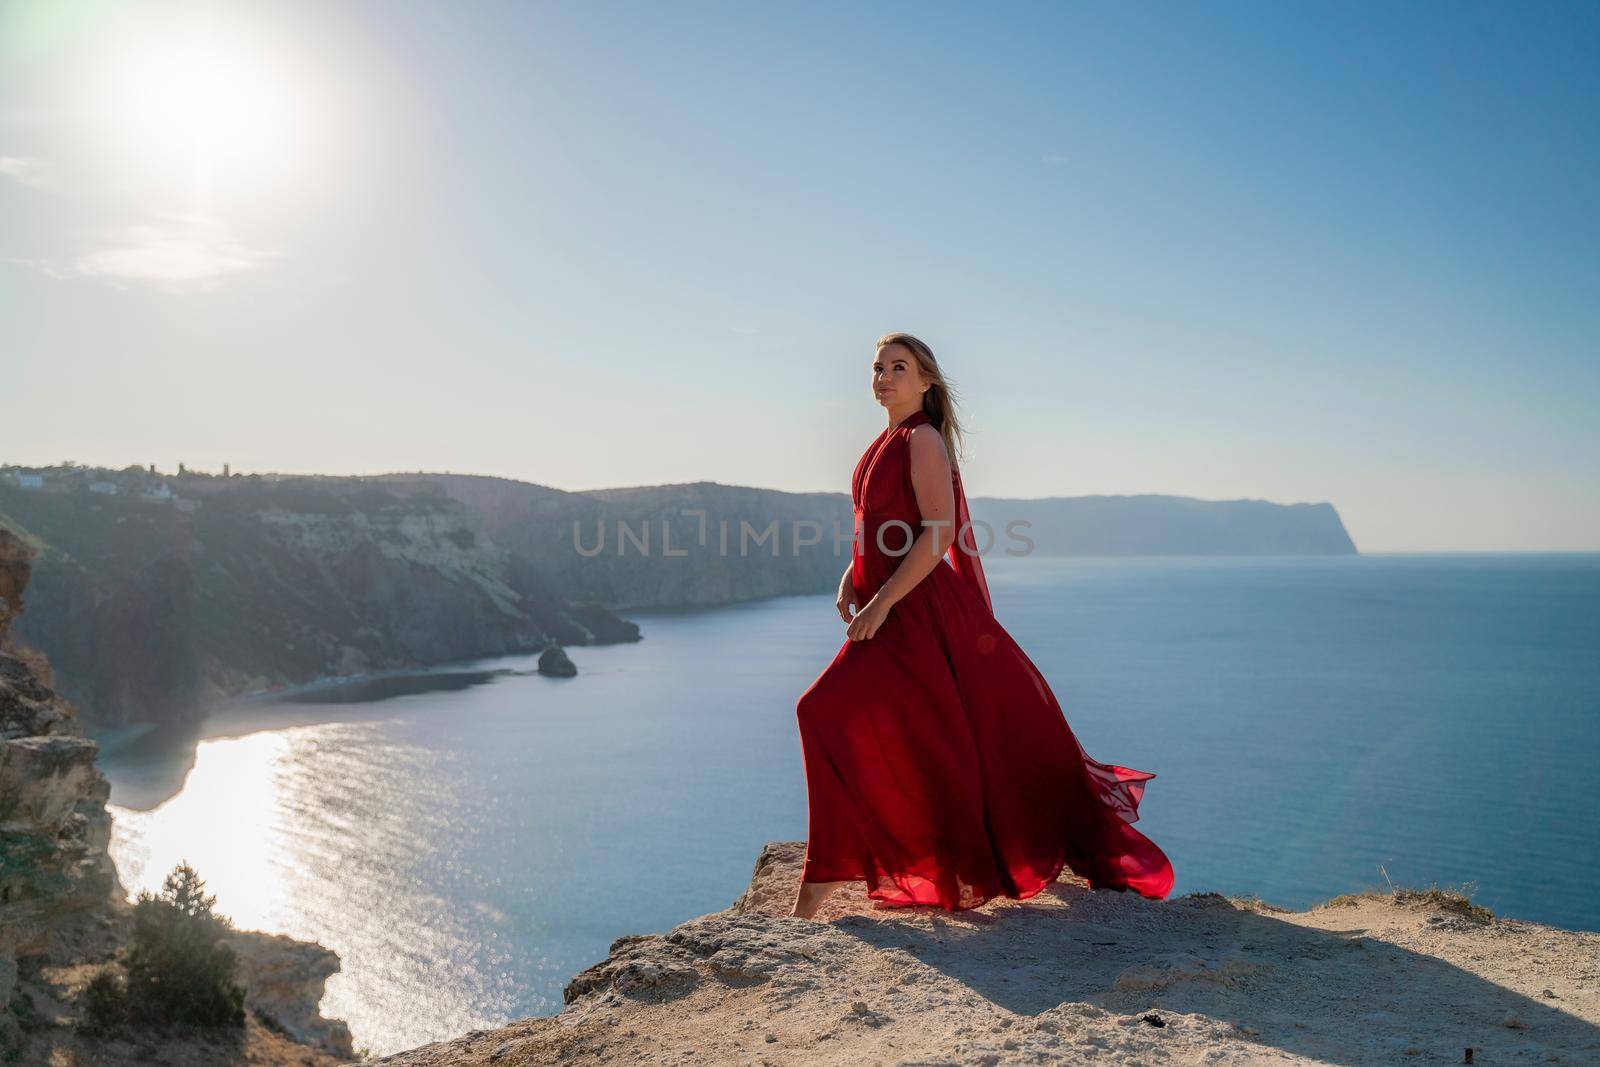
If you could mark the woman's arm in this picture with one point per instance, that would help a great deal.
(847, 601)
(936, 499)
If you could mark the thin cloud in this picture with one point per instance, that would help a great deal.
(27, 171)
(186, 253)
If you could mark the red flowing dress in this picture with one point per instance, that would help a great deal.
(939, 766)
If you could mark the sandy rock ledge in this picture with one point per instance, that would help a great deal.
(1068, 976)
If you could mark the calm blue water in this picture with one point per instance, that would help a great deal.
(1312, 723)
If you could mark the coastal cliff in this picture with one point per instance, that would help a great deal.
(152, 610)
(157, 597)
(1154, 524)
(674, 546)
(702, 543)
(58, 886)
(1070, 975)
(64, 913)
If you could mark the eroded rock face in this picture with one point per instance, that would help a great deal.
(56, 876)
(284, 981)
(55, 871)
(15, 568)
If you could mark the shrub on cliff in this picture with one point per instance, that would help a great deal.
(105, 1002)
(179, 967)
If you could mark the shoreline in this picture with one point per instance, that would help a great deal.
(330, 681)
(115, 739)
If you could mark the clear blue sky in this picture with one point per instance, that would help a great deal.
(1344, 252)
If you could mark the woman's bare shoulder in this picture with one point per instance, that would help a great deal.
(927, 444)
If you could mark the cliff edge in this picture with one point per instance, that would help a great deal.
(64, 913)
(1070, 975)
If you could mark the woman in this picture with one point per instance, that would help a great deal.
(939, 768)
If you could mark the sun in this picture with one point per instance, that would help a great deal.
(201, 101)
(216, 111)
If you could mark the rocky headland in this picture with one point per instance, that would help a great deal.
(1069, 976)
(703, 543)
(157, 609)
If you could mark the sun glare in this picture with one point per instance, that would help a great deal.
(214, 112)
(203, 102)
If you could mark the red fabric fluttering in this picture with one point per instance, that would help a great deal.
(939, 766)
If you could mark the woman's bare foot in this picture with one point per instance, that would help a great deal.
(811, 896)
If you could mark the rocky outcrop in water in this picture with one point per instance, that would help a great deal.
(555, 663)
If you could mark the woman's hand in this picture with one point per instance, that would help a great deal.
(847, 600)
(867, 620)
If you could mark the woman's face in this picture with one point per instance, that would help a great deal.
(897, 379)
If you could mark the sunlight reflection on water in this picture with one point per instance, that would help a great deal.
(468, 849)
(298, 831)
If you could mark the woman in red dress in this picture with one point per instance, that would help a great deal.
(939, 767)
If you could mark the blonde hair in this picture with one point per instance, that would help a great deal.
(939, 401)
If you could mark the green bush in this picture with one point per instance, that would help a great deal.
(105, 1002)
(179, 969)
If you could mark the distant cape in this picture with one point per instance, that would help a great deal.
(1152, 524)
(632, 533)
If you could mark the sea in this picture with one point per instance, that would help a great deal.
(470, 837)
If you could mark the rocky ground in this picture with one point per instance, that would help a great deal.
(1070, 976)
(284, 980)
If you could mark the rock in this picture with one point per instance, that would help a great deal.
(553, 661)
(58, 886)
(603, 625)
(1068, 975)
(285, 979)
(15, 568)
(57, 880)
